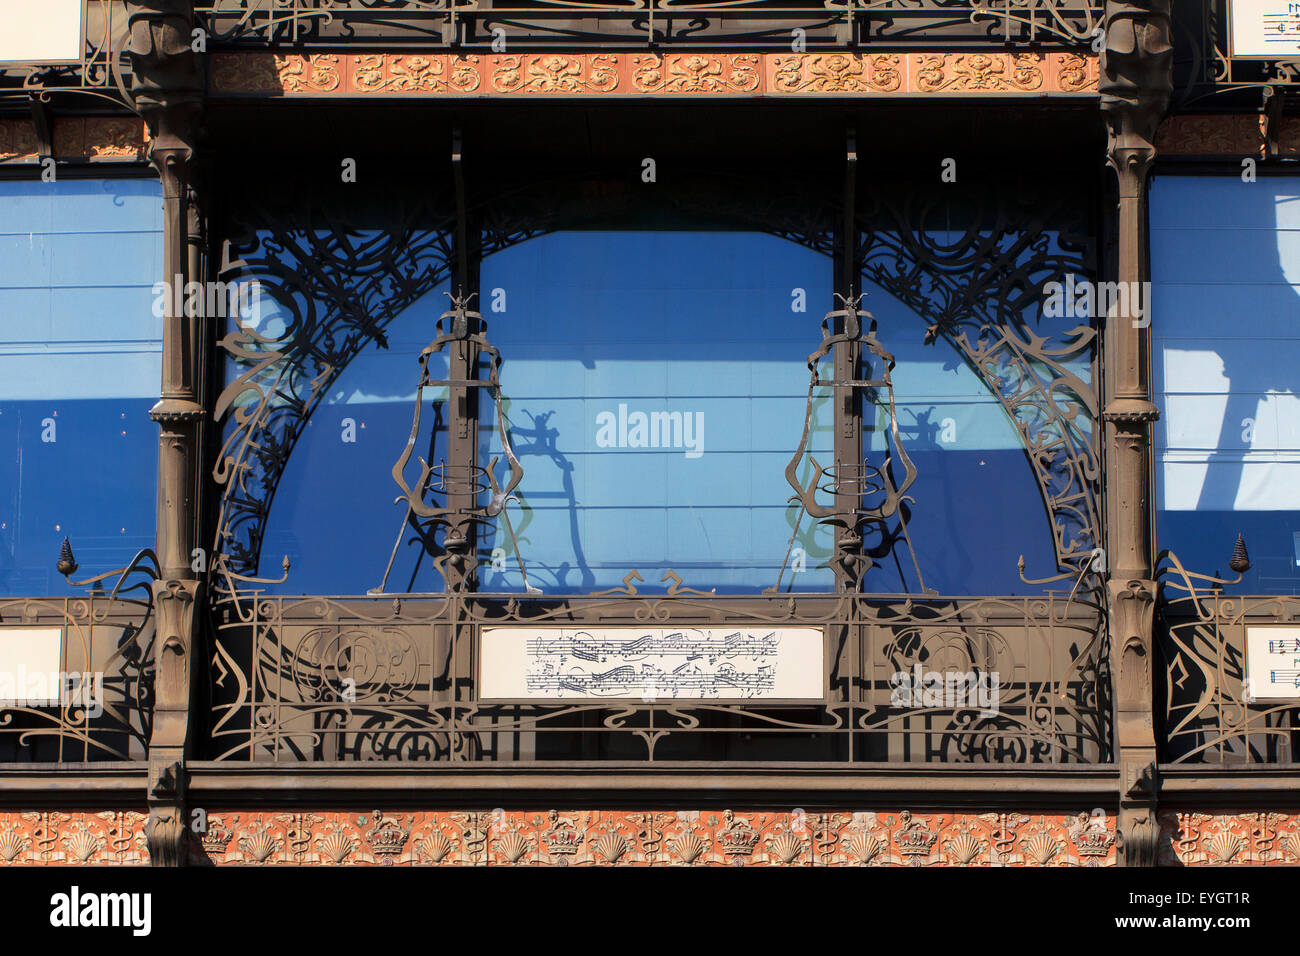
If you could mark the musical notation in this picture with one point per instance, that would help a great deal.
(653, 664)
(673, 644)
(1272, 663)
(685, 680)
(649, 664)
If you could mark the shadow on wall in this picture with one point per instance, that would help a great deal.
(1226, 341)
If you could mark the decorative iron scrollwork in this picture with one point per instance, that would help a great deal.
(864, 496)
(464, 327)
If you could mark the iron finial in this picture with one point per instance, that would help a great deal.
(1240, 561)
(67, 563)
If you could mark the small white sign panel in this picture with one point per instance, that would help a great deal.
(1273, 663)
(652, 664)
(40, 31)
(1266, 29)
(30, 660)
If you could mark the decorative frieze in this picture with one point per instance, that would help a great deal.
(74, 838)
(76, 139)
(1229, 135)
(1262, 838)
(654, 838)
(626, 74)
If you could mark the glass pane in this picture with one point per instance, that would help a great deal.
(80, 367)
(976, 506)
(656, 385)
(333, 513)
(1226, 341)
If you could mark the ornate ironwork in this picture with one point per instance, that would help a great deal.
(338, 287)
(102, 70)
(107, 654)
(866, 498)
(466, 328)
(1209, 715)
(296, 679)
(982, 291)
(532, 23)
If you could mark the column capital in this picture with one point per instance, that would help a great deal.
(1136, 85)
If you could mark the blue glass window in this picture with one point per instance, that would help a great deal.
(1226, 364)
(656, 387)
(80, 367)
(333, 513)
(976, 507)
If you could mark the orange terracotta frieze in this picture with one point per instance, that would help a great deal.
(77, 138)
(653, 838)
(623, 74)
(1257, 838)
(74, 838)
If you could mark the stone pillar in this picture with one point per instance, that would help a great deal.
(1136, 83)
(167, 91)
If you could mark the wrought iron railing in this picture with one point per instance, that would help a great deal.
(105, 672)
(1210, 713)
(537, 23)
(395, 678)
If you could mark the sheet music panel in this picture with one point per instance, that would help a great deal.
(1273, 662)
(652, 664)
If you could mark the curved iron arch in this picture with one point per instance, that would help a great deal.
(340, 289)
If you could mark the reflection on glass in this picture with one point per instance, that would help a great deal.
(1226, 350)
(656, 387)
(975, 507)
(80, 368)
(334, 514)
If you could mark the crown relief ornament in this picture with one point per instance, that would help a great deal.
(216, 837)
(563, 839)
(914, 839)
(738, 838)
(1091, 839)
(386, 837)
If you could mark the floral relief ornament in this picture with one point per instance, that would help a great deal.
(837, 73)
(316, 73)
(554, 73)
(979, 72)
(695, 73)
(378, 73)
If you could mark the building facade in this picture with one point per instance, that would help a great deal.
(650, 433)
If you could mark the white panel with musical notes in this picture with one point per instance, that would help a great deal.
(1265, 28)
(1272, 662)
(652, 663)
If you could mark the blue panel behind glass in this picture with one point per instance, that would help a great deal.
(80, 368)
(1226, 363)
(334, 515)
(600, 328)
(977, 504)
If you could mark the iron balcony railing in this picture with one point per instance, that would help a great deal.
(397, 678)
(746, 23)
